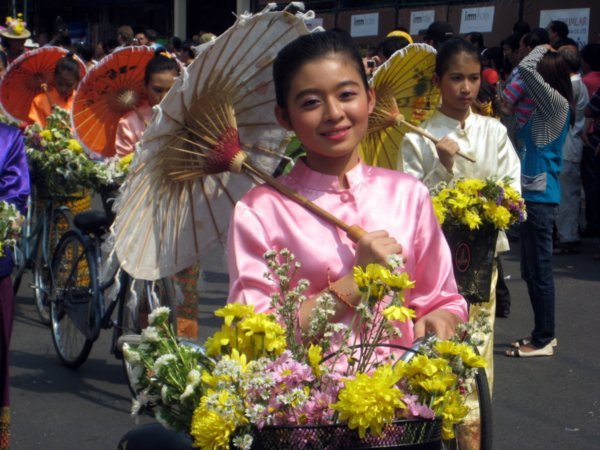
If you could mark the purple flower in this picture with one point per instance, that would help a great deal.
(289, 372)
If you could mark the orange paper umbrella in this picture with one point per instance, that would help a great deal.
(26, 77)
(111, 89)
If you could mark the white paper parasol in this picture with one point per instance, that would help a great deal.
(175, 204)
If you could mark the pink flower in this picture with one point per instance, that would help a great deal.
(290, 373)
(416, 409)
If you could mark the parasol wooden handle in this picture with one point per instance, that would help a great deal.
(400, 120)
(44, 87)
(354, 232)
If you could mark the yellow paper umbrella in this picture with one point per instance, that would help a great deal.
(406, 95)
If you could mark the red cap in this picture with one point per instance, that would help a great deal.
(490, 75)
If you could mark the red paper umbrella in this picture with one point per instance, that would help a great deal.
(112, 88)
(26, 77)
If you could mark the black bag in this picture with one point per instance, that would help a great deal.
(472, 259)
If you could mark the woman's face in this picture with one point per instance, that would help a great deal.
(328, 108)
(158, 86)
(459, 85)
(65, 83)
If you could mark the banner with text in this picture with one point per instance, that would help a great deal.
(364, 25)
(577, 19)
(420, 20)
(477, 19)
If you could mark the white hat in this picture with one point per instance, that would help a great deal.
(29, 43)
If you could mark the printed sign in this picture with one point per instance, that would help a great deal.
(364, 25)
(420, 20)
(477, 19)
(577, 19)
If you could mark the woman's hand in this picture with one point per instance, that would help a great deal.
(440, 322)
(446, 149)
(375, 247)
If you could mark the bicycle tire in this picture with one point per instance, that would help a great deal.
(59, 224)
(131, 323)
(73, 300)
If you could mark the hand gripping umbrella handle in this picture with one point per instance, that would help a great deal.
(354, 232)
(429, 136)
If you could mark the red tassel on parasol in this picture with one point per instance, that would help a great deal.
(217, 119)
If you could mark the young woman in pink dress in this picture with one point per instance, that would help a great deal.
(323, 96)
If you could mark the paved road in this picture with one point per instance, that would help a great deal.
(543, 403)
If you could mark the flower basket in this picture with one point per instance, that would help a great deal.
(472, 259)
(400, 434)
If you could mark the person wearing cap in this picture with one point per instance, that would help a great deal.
(437, 33)
(13, 37)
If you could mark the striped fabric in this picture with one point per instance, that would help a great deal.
(516, 94)
(552, 109)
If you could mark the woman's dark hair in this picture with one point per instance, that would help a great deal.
(310, 47)
(85, 52)
(555, 71)
(390, 45)
(560, 28)
(537, 36)
(449, 49)
(492, 57)
(521, 27)
(591, 55)
(476, 39)
(161, 62)
(67, 64)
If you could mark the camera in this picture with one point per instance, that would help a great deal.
(371, 63)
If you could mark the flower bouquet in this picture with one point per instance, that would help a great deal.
(56, 160)
(472, 211)
(263, 382)
(11, 221)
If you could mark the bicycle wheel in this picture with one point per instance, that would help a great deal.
(477, 433)
(131, 321)
(75, 323)
(59, 224)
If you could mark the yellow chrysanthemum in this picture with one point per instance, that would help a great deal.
(453, 412)
(448, 348)
(210, 430)
(499, 216)
(222, 338)
(472, 220)
(264, 333)
(439, 209)
(470, 358)
(125, 161)
(74, 146)
(46, 135)
(233, 311)
(370, 401)
(399, 313)
(315, 355)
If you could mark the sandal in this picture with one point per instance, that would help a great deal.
(527, 340)
(548, 350)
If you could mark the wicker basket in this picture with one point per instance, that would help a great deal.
(401, 434)
(472, 259)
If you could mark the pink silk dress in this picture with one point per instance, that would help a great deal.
(130, 129)
(376, 199)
